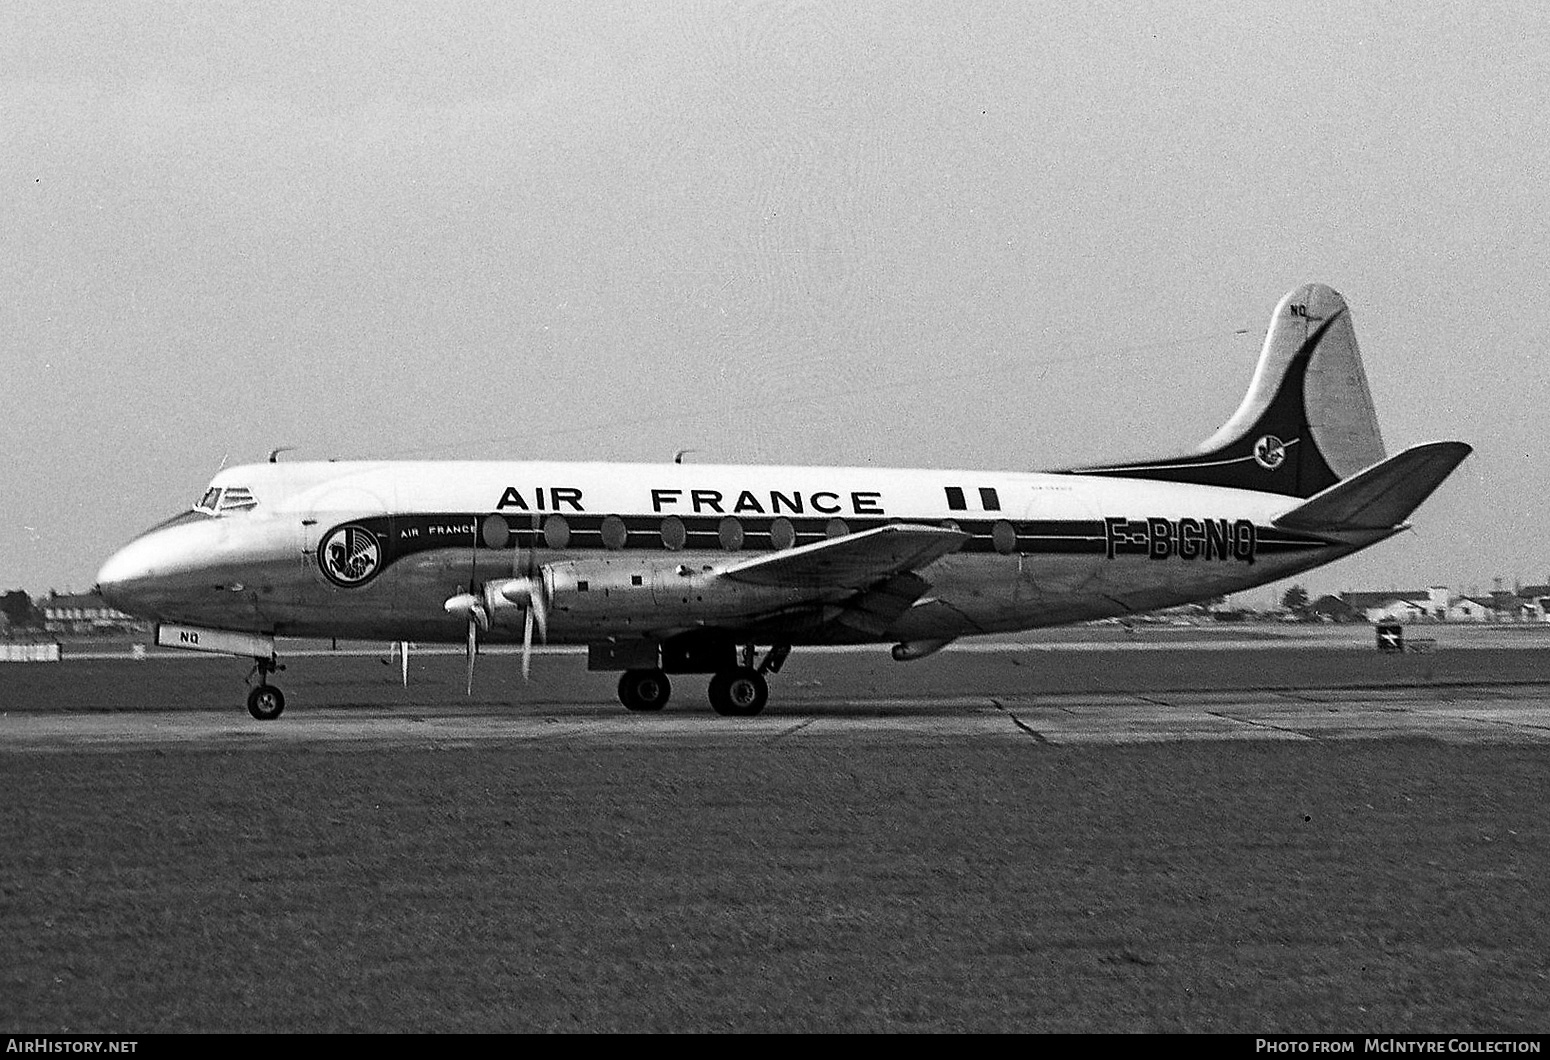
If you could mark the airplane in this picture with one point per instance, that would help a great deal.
(663, 570)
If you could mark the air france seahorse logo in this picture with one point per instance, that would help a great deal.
(1269, 452)
(350, 555)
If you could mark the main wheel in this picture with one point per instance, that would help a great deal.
(266, 702)
(644, 689)
(739, 693)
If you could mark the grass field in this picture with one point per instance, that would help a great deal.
(860, 885)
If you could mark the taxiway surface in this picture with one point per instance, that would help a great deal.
(1467, 715)
(1326, 683)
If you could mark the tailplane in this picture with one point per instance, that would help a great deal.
(1382, 496)
(1307, 421)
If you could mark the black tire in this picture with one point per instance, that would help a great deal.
(266, 702)
(645, 690)
(739, 693)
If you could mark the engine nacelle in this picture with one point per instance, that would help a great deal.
(904, 651)
(623, 589)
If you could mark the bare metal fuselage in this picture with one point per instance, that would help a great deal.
(635, 551)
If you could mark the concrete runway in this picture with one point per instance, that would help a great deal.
(1482, 714)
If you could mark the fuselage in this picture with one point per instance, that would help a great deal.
(373, 549)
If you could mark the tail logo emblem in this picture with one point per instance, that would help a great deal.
(349, 556)
(1269, 452)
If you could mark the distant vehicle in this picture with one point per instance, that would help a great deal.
(669, 569)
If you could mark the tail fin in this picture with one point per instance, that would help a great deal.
(1307, 421)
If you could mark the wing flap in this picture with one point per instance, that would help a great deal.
(876, 610)
(854, 561)
(1382, 496)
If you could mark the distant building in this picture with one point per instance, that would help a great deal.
(83, 613)
(1334, 609)
(1532, 603)
(1394, 605)
(1473, 609)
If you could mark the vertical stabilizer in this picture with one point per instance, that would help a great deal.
(1307, 420)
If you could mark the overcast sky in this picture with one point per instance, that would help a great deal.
(944, 235)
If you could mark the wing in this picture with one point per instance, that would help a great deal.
(866, 580)
(855, 561)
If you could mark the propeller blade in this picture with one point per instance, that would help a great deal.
(527, 644)
(473, 648)
(538, 608)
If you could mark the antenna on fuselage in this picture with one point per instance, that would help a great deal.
(274, 454)
(678, 457)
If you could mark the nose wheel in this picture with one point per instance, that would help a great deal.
(265, 702)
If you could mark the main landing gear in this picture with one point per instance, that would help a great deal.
(644, 689)
(739, 693)
(736, 692)
(265, 701)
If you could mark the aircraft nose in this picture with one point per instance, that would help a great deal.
(138, 577)
(126, 570)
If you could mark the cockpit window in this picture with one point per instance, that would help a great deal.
(237, 499)
(218, 501)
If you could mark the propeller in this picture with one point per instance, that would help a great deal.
(472, 604)
(531, 592)
(473, 608)
(527, 588)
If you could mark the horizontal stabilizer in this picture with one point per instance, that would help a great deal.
(1382, 496)
(853, 561)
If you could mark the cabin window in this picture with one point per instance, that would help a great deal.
(731, 533)
(1004, 536)
(955, 499)
(556, 531)
(494, 531)
(836, 528)
(782, 533)
(988, 499)
(614, 532)
(673, 533)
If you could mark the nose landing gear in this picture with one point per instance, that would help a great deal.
(265, 701)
